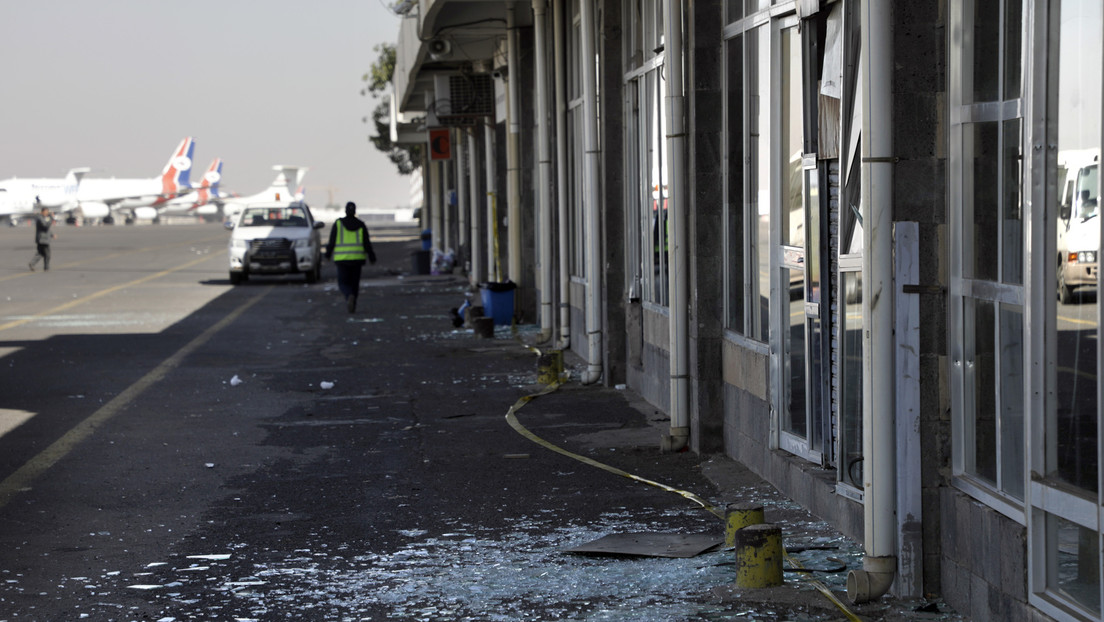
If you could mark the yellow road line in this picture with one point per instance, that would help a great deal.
(100, 294)
(22, 478)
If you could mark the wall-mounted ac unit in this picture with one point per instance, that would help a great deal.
(463, 99)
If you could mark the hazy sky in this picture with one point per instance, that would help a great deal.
(115, 84)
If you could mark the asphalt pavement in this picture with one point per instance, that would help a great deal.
(277, 458)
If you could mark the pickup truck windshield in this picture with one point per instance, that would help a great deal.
(274, 217)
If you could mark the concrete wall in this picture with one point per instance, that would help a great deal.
(653, 379)
(984, 567)
(612, 139)
(920, 195)
(706, 183)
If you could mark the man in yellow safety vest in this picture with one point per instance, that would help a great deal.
(349, 247)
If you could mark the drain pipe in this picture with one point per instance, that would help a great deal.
(513, 156)
(461, 197)
(435, 219)
(678, 345)
(476, 255)
(446, 207)
(592, 230)
(544, 164)
(558, 44)
(493, 271)
(879, 433)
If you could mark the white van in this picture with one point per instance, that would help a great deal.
(1078, 226)
(275, 238)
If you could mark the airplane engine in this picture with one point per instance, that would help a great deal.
(94, 209)
(145, 213)
(207, 210)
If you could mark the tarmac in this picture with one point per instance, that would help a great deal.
(625, 440)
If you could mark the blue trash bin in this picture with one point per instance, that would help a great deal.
(498, 302)
(427, 240)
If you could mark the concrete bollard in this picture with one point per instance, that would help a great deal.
(474, 312)
(484, 327)
(550, 367)
(740, 515)
(759, 556)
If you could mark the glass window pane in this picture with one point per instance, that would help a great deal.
(1074, 561)
(1011, 400)
(794, 422)
(734, 10)
(758, 209)
(984, 388)
(1013, 35)
(1012, 250)
(793, 212)
(736, 236)
(812, 256)
(851, 380)
(986, 51)
(986, 215)
(1072, 427)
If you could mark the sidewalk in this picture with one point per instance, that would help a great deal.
(476, 379)
(630, 439)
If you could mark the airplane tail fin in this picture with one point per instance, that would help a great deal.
(208, 188)
(73, 179)
(176, 176)
(281, 187)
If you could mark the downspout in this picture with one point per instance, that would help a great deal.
(434, 185)
(561, 171)
(544, 164)
(677, 214)
(513, 156)
(879, 389)
(592, 231)
(476, 255)
(461, 197)
(493, 272)
(446, 207)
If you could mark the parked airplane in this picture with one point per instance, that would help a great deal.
(100, 198)
(201, 202)
(24, 197)
(279, 191)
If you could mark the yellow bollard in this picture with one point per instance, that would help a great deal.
(759, 556)
(740, 515)
(550, 367)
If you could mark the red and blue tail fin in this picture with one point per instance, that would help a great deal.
(208, 188)
(176, 177)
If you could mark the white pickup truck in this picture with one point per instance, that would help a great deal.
(275, 238)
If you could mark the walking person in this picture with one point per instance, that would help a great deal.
(349, 247)
(43, 234)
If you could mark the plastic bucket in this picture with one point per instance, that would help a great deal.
(498, 302)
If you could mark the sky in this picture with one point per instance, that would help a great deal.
(114, 85)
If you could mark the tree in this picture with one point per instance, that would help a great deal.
(407, 158)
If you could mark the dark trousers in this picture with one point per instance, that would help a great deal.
(348, 277)
(43, 252)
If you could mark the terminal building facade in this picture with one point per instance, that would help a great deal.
(850, 244)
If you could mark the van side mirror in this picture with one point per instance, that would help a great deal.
(1064, 211)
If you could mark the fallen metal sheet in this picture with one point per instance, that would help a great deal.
(650, 545)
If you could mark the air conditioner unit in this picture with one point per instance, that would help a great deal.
(463, 99)
(440, 49)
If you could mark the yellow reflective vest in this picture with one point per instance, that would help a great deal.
(348, 245)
